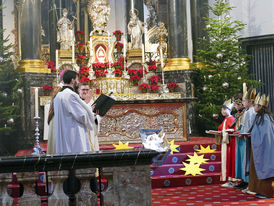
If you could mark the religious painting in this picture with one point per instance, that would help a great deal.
(100, 53)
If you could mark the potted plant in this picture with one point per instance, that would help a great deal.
(119, 46)
(47, 89)
(144, 87)
(79, 35)
(118, 34)
(154, 88)
(172, 86)
(80, 47)
(51, 66)
(117, 72)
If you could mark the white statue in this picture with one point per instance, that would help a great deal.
(99, 12)
(65, 31)
(135, 30)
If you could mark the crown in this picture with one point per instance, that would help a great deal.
(262, 100)
(250, 94)
(228, 104)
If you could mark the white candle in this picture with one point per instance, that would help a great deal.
(109, 52)
(73, 53)
(56, 64)
(125, 47)
(143, 54)
(90, 50)
(132, 6)
(244, 88)
(36, 102)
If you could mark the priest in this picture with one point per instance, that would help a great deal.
(73, 118)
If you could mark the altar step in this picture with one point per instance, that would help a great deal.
(169, 174)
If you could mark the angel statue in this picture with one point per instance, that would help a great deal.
(135, 30)
(65, 31)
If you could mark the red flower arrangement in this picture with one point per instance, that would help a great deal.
(119, 46)
(154, 79)
(81, 59)
(80, 47)
(98, 91)
(79, 35)
(152, 68)
(117, 72)
(154, 87)
(135, 80)
(118, 35)
(51, 66)
(172, 86)
(84, 74)
(47, 89)
(144, 87)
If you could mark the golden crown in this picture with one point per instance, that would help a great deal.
(228, 104)
(262, 100)
(250, 94)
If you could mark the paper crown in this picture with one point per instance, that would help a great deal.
(250, 94)
(228, 104)
(262, 100)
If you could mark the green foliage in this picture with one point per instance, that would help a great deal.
(10, 98)
(223, 61)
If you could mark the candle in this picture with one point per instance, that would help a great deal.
(143, 54)
(90, 50)
(125, 47)
(109, 52)
(36, 102)
(244, 88)
(73, 53)
(132, 6)
(56, 64)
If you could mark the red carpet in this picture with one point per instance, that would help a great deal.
(205, 195)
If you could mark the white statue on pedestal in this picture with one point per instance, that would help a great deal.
(135, 30)
(65, 31)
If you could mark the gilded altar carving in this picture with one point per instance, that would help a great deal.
(99, 12)
(123, 122)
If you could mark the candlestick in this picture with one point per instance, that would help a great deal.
(37, 149)
(125, 47)
(143, 54)
(56, 64)
(162, 64)
(36, 102)
(73, 53)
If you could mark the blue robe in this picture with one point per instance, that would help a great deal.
(262, 142)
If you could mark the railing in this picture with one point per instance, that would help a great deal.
(127, 172)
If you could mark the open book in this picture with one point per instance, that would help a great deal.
(103, 103)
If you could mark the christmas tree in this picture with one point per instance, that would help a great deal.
(10, 99)
(223, 67)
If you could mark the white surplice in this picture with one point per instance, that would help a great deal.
(73, 119)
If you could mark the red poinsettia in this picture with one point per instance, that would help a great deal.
(117, 32)
(144, 86)
(51, 65)
(47, 87)
(152, 68)
(155, 79)
(154, 87)
(173, 85)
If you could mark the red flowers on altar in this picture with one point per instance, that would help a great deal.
(172, 86)
(118, 34)
(51, 66)
(47, 89)
(119, 46)
(144, 87)
(79, 35)
(155, 79)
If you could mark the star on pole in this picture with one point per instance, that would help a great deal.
(205, 150)
(197, 159)
(122, 146)
(192, 169)
(173, 147)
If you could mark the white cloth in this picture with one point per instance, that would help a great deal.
(223, 152)
(93, 134)
(73, 118)
(248, 119)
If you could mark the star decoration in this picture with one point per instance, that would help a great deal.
(205, 150)
(197, 159)
(193, 169)
(122, 146)
(173, 147)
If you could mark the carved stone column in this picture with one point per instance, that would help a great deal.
(128, 186)
(29, 197)
(177, 36)
(58, 196)
(5, 199)
(85, 197)
(31, 38)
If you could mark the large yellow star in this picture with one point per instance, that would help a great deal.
(197, 159)
(173, 147)
(193, 169)
(205, 150)
(122, 146)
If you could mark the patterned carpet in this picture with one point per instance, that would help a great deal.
(205, 195)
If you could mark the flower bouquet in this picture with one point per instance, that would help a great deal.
(172, 86)
(79, 35)
(118, 34)
(119, 46)
(80, 47)
(144, 87)
(47, 89)
(51, 66)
